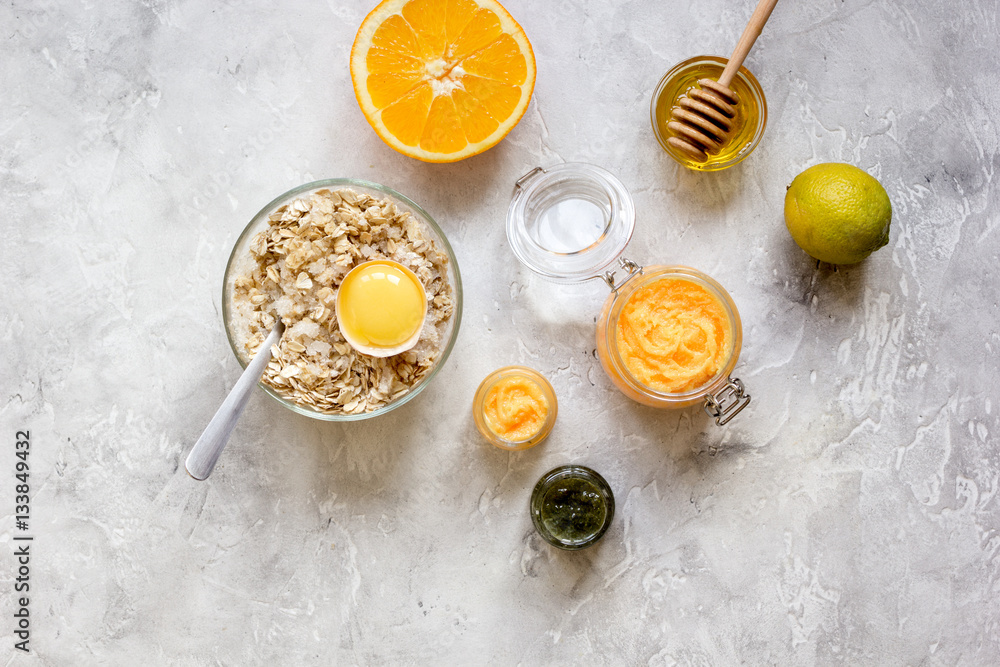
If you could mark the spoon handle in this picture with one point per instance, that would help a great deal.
(206, 451)
(749, 36)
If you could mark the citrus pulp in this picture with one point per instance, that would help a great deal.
(442, 80)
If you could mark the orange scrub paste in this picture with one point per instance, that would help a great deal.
(515, 408)
(673, 335)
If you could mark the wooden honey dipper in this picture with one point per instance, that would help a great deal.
(702, 120)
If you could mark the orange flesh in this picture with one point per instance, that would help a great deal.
(673, 335)
(444, 74)
(515, 408)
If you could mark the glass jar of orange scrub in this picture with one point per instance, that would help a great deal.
(515, 408)
(668, 336)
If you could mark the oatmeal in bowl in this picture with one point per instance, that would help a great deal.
(290, 261)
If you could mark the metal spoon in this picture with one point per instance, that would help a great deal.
(207, 450)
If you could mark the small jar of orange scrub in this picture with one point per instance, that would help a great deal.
(668, 336)
(515, 408)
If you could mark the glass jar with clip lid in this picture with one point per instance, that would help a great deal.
(668, 336)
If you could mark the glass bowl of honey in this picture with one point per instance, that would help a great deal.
(312, 237)
(750, 119)
(668, 336)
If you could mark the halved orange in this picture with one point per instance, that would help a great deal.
(441, 80)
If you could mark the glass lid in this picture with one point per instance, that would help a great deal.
(569, 222)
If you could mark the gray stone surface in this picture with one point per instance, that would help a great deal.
(851, 515)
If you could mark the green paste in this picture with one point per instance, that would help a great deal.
(573, 509)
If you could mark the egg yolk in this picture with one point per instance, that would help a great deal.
(515, 408)
(673, 335)
(381, 304)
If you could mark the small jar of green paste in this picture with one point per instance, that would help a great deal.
(572, 507)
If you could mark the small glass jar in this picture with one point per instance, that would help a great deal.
(546, 199)
(751, 112)
(514, 373)
(572, 507)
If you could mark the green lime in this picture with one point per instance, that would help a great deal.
(837, 213)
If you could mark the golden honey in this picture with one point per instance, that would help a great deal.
(751, 112)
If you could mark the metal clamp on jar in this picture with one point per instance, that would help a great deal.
(571, 223)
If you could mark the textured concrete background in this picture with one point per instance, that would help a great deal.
(850, 517)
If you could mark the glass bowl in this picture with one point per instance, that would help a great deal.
(751, 112)
(239, 260)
